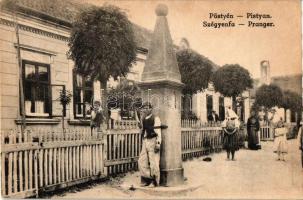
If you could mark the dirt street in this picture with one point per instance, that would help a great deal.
(254, 174)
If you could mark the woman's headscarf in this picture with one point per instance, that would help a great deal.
(231, 114)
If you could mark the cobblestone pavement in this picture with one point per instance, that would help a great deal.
(254, 174)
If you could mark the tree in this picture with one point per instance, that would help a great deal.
(124, 97)
(268, 96)
(231, 81)
(293, 102)
(65, 97)
(196, 71)
(102, 45)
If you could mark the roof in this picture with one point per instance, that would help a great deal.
(64, 13)
(289, 82)
(64, 10)
(142, 36)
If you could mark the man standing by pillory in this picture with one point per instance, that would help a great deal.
(149, 159)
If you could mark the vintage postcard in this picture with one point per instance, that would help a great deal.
(172, 99)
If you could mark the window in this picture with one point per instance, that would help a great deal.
(36, 81)
(293, 116)
(186, 103)
(221, 109)
(209, 104)
(240, 110)
(83, 95)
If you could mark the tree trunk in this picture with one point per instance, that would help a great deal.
(186, 106)
(104, 102)
(63, 128)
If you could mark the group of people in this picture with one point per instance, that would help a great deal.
(280, 131)
(150, 126)
(151, 134)
(231, 127)
(231, 135)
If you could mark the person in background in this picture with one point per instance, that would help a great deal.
(97, 116)
(213, 116)
(231, 127)
(253, 127)
(300, 141)
(301, 145)
(149, 158)
(280, 141)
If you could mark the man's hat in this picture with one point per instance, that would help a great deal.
(97, 102)
(147, 104)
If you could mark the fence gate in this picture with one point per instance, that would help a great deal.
(46, 161)
(266, 132)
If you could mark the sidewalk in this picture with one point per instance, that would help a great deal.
(255, 174)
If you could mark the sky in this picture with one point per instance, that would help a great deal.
(281, 44)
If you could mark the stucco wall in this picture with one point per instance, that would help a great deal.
(44, 43)
(35, 46)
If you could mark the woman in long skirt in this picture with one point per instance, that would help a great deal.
(253, 127)
(231, 127)
(231, 144)
(280, 141)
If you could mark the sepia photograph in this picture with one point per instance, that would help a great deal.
(151, 99)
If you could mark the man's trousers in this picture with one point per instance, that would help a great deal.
(149, 160)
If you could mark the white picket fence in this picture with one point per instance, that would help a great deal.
(200, 138)
(40, 160)
(48, 162)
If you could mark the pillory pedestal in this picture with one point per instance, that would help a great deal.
(161, 85)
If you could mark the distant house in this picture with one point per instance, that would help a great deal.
(288, 82)
(202, 103)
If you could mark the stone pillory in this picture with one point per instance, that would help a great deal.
(161, 80)
(161, 62)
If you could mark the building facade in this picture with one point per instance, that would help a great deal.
(204, 102)
(46, 70)
(289, 82)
